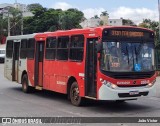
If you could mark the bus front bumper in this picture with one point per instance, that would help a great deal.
(107, 93)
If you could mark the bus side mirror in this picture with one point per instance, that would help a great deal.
(99, 47)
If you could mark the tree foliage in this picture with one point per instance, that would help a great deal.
(44, 19)
(15, 22)
(34, 6)
(52, 19)
(104, 13)
(153, 25)
(128, 22)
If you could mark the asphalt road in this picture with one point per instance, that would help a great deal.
(13, 102)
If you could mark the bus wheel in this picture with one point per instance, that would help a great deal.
(74, 95)
(25, 86)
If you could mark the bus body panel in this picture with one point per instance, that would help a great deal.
(56, 75)
(30, 72)
(8, 66)
(107, 93)
(19, 64)
(8, 69)
(22, 68)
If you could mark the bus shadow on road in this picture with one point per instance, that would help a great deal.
(113, 106)
(91, 105)
(43, 94)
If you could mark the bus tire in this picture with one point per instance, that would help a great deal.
(76, 100)
(25, 87)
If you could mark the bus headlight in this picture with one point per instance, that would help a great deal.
(113, 86)
(151, 84)
(109, 84)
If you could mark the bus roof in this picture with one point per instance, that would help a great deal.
(21, 36)
(95, 30)
(103, 27)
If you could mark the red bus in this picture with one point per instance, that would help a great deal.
(103, 63)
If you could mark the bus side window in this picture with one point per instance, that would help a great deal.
(62, 48)
(23, 49)
(51, 48)
(76, 48)
(31, 48)
(9, 49)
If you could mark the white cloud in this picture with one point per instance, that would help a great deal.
(137, 14)
(62, 5)
(90, 12)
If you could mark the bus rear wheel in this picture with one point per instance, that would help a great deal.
(74, 95)
(25, 86)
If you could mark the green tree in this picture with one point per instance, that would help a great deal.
(96, 16)
(104, 13)
(128, 22)
(15, 21)
(153, 25)
(52, 19)
(32, 7)
(71, 19)
(101, 23)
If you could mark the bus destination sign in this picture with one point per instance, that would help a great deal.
(127, 33)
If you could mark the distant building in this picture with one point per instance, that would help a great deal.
(115, 22)
(20, 7)
(93, 22)
(6, 5)
(105, 21)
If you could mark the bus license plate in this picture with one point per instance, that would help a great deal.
(133, 92)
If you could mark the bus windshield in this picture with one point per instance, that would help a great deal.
(127, 56)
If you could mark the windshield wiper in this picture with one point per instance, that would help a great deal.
(127, 53)
(137, 51)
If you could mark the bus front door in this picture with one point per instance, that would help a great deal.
(91, 68)
(15, 64)
(38, 81)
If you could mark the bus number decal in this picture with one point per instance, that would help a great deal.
(61, 83)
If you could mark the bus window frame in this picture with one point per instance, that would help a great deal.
(30, 49)
(51, 49)
(11, 49)
(24, 49)
(65, 36)
(76, 35)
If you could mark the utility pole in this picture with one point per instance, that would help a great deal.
(21, 23)
(8, 24)
(159, 18)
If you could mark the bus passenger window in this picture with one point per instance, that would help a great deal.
(23, 49)
(62, 49)
(9, 50)
(76, 48)
(51, 48)
(31, 48)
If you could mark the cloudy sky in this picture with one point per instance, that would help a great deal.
(135, 10)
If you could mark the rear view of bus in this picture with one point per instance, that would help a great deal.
(127, 64)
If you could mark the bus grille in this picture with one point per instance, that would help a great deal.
(133, 75)
(124, 95)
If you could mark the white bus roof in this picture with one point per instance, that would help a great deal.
(21, 37)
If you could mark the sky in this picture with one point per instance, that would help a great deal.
(136, 10)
